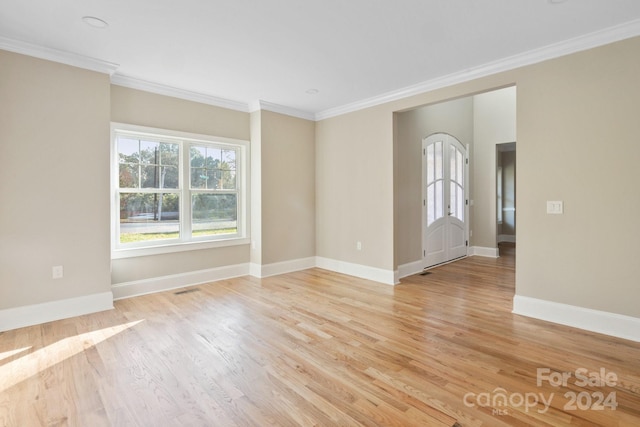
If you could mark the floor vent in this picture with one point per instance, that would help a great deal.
(186, 291)
(424, 273)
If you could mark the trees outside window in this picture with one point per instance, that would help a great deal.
(173, 189)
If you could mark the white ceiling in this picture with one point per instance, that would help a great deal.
(351, 51)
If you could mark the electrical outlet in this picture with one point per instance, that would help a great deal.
(57, 272)
(555, 207)
(359, 246)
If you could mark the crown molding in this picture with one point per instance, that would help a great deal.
(56, 55)
(160, 89)
(281, 109)
(576, 44)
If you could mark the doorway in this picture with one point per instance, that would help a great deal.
(444, 213)
(506, 194)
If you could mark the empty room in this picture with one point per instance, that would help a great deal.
(336, 213)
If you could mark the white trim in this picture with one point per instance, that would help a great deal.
(174, 281)
(267, 270)
(255, 270)
(160, 89)
(276, 108)
(409, 269)
(484, 252)
(184, 242)
(416, 267)
(602, 322)
(177, 247)
(576, 44)
(387, 277)
(29, 315)
(509, 238)
(59, 56)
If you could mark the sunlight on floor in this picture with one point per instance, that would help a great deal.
(31, 364)
(7, 354)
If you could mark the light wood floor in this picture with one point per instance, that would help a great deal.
(315, 348)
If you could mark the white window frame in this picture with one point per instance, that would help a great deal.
(185, 242)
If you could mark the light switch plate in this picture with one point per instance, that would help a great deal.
(57, 272)
(555, 207)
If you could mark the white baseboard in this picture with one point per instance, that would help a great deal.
(387, 277)
(602, 322)
(485, 252)
(29, 315)
(174, 281)
(283, 267)
(409, 269)
(509, 238)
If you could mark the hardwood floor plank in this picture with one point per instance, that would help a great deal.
(316, 348)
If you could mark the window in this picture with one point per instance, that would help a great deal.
(173, 190)
(435, 182)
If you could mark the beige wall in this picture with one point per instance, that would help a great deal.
(54, 181)
(578, 133)
(164, 112)
(146, 109)
(494, 122)
(354, 188)
(577, 141)
(288, 188)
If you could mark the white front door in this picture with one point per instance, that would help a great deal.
(444, 170)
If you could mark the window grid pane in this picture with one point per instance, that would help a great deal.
(213, 214)
(452, 163)
(435, 181)
(149, 217)
(460, 203)
(431, 198)
(439, 200)
(459, 168)
(147, 164)
(430, 164)
(452, 199)
(439, 160)
(212, 168)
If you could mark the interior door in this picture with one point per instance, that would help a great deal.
(444, 173)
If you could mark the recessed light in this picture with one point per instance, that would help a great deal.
(312, 91)
(94, 22)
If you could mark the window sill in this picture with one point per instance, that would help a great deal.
(177, 247)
